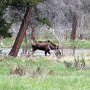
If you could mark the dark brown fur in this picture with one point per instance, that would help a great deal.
(43, 45)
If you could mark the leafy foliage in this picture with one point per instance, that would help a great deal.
(4, 29)
(44, 21)
(4, 26)
(19, 3)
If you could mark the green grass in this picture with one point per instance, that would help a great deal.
(8, 42)
(78, 43)
(61, 78)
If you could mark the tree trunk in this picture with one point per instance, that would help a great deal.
(22, 32)
(33, 34)
(74, 25)
(73, 33)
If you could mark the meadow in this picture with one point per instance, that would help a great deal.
(85, 44)
(42, 73)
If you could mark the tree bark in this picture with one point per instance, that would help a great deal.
(33, 34)
(74, 25)
(22, 31)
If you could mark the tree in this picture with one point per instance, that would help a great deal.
(22, 32)
(73, 33)
(33, 34)
(4, 26)
(74, 25)
(24, 26)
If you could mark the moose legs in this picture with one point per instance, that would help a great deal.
(47, 51)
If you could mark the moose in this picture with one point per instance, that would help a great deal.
(44, 46)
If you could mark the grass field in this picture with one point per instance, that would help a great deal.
(8, 42)
(78, 43)
(52, 75)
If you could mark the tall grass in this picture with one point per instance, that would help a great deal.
(54, 75)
